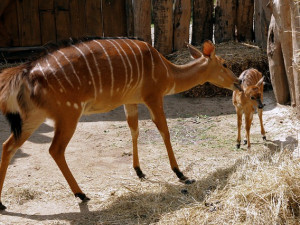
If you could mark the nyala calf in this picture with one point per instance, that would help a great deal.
(247, 100)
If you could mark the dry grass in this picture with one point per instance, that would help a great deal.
(264, 189)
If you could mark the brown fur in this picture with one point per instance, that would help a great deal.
(247, 100)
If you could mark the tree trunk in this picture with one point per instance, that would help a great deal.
(182, 18)
(225, 13)
(295, 24)
(276, 64)
(142, 19)
(282, 15)
(202, 21)
(244, 20)
(262, 16)
(163, 25)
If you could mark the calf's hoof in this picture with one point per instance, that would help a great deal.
(139, 173)
(245, 142)
(238, 145)
(2, 207)
(264, 138)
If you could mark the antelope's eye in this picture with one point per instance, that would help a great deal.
(225, 65)
(252, 98)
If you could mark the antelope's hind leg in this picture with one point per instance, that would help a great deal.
(131, 111)
(12, 144)
(239, 114)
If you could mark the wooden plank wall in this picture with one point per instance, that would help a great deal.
(37, 22)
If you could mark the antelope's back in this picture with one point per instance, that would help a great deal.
(250, 77)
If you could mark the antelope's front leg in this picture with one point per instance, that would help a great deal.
(239, 114)
(131, 112)
(158, 117)
(262, 129)
(248, 121)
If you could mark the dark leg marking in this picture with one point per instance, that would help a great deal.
(245, 142)
(82, 197)
(139, 172)
(238, 145)
(15, 123)
(264, 138)
(2, 207)
(181, 177)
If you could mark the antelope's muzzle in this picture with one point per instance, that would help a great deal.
(260, 105)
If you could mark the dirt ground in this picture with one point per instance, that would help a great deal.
(203, 134)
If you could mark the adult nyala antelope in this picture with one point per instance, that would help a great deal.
(247, 100)
(95, 76)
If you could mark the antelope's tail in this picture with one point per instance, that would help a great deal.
(12, 88)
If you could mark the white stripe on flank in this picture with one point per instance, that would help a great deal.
(142, 76)
(125, 66)
(54, 74)
(163, 63)
(74, 71)
(89, 68)
(128, 60)
(110, 65)
(97, 66)
(137, 64)
(62, 69)
(152, 61)
(41, 69)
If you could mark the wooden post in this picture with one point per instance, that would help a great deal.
(225, 14)
(262, 17)
(202, 21)
(130, 18)
(244, 20)
(182, 18)
(276, 64)
(282, 15)
(163, 25)
(295, 24)
(142, 19)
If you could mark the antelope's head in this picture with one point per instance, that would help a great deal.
(217, 72)
(254, 93)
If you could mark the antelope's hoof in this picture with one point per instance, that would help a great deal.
(245, 142)
(238, 145)
(2, 207)
(139, 173)
(188, 181)
(82, 197)
(264, 138)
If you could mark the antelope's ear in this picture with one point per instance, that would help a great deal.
(209, 49)
(260, 82)
(195, 53)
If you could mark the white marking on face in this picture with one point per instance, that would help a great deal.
(123, 61)
(64, 55)
(88, 66)
(97, 66)
(76, 106)
(129, 63)
(221, 78)
(110, 65)
(54, 74)
(68, 103)
(62, 69)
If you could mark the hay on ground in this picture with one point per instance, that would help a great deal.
(238, 56)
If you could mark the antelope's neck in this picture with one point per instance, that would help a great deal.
(189, 75)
